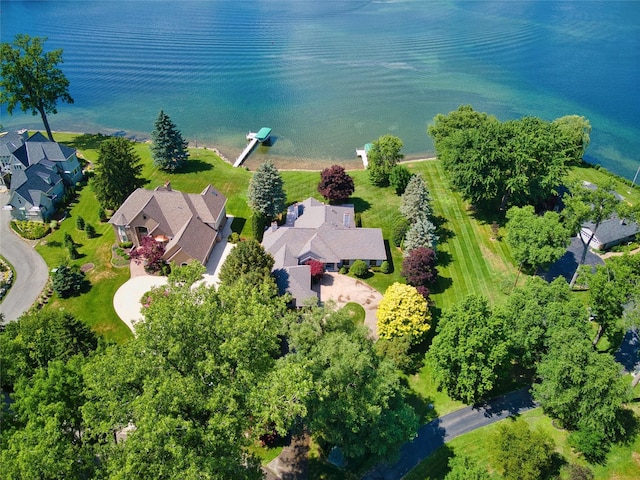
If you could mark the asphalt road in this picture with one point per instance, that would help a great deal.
(443, 429)
(31, 270)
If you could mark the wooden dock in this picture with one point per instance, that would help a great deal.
(254, 138)
(364, 154)
(245, 153)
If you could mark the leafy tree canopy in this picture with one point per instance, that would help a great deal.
(419, 267)
(496, 164)
(117, 172)
(266, 192)
(580, 387)
(29, 77)
(463, 468)
(536, 240)
(357, 401)
(470, 350)
(523, 454)
(335, 184)
(403, 312)
(168, 148)
(38, 338)
(249, 259)
(399, 178)
(383, 156)
(150, 253)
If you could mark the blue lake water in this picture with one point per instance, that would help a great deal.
(328, 76)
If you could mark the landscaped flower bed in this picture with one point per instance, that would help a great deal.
(6, 277)
(30, 230)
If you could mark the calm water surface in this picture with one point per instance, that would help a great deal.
(329, 76)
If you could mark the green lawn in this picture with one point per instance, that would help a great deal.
(623, 461)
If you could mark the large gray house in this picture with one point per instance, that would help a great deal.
(39, 171)
(326, 233)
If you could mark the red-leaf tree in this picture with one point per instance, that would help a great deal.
(335, 184)
(150, 252)
(317, 269)
(419, 267)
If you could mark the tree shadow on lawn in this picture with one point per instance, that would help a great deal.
(442, 284)
(237, 224)
(194, 165)
(387, 249)
(443, 259)
(88, 141)
(360, 205)
(444, 234)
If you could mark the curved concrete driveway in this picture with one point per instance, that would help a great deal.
(31, 270)
(126, 300)
(343, 289)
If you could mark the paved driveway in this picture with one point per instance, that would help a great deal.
(127, 300)
(343, 289)
(31, 270)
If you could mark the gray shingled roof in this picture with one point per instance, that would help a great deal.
(38, 148)
(324, 232)
(40, 179)
(187, 218)
(614, 229)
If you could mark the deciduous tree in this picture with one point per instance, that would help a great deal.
(383, 156)
(419, 267)
(523, 454)
(117, 172)
(38, 338)
(496, 165)
(247, 258)
(399, 178)
(470, 351)
(335, 184)
(403, 311)
(358, 402)
(535, 240)
(168, 148)
(463, 468)
(266, 193)
(580, 387)
(583, 205)
(149, 253)
(29, 77)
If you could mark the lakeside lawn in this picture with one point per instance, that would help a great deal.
(470, 259)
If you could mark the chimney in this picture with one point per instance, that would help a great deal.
(167, 185)
(274, 226)
(346, 220)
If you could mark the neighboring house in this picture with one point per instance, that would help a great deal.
(610, 233)
(188, 223)
(39, 171)
(9, 143)
(315, 231)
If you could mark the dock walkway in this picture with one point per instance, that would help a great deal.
(363, 154)
(254, 138)
(245, 153)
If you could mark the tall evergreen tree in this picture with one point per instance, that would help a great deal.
(421, 234)
(117, 172)
(169, 149)
(416, 201)
(266, 191)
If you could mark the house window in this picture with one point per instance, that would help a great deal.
(122, 233)
(373, 263)
(345, 262)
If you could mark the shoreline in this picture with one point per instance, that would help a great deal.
(289, 164)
